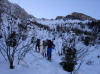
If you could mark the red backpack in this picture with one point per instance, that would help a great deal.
(50, 43)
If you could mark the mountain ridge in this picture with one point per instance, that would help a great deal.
(76, 16)
(17, 11)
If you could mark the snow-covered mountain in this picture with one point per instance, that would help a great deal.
(84, 29)
(13, 9)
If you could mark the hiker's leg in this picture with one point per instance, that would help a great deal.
(36, 48)
(45, 54)
(50, 56)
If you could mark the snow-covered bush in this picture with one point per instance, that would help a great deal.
(70, 54)
(70, 60)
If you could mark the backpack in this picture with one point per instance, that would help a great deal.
(44, 42)
(50, 44)
(38, 41)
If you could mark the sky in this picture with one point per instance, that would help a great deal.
(52, 8)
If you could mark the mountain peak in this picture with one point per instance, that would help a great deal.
(76, 16)
(79, 16)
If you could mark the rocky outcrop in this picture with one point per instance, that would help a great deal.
(76, 16)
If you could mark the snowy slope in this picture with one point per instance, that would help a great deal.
(91, 64)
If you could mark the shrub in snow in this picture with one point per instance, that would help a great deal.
(94, 25)
(86, 41)
(22, 27)
(0, 20)
(0, 36)
(70, 54)
(89, 62)
(98, 56)
(24, 37)
(11, 40)
(77, 31)
(70, 60)
(32, 39)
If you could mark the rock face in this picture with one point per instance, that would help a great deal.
(79, 16)
(76, 16)
(59, 17)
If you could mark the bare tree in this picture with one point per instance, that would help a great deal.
(11, 43)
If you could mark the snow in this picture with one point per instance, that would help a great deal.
(91, 56)
(35, 63)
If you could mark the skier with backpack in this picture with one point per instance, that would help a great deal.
(37, 48)
(44, 49)
(50, 46)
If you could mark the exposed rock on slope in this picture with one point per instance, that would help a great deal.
(76, 16)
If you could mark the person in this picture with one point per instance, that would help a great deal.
(44, 48)
(50, 46)
(37, 48)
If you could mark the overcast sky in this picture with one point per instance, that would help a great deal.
(53, 8)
